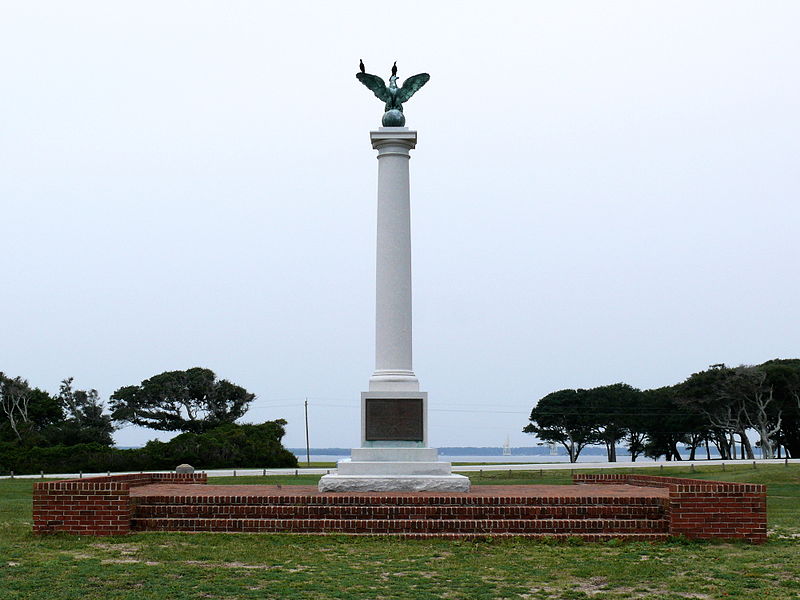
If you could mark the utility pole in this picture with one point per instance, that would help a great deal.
(308, 447)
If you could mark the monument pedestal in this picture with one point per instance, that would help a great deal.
(394, 454)
(394, 483)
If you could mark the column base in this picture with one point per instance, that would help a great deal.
(394, 483)
(394, 470)
(393, 381)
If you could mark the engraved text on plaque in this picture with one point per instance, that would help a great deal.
(394, 419)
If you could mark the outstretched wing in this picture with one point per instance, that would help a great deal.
(411, 85)
(376, 84)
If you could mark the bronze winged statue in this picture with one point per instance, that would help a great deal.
(392, 95)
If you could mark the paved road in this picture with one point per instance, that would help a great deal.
(462, 469)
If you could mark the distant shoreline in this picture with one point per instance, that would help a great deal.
(490, 451)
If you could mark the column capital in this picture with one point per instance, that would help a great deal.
(401, 136)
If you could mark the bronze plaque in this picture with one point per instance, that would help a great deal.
(393, 419)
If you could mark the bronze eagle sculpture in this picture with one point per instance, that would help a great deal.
(393, 96)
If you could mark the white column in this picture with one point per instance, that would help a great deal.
(393, 367)
(394, 453)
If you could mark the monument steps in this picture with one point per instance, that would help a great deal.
(407, 515)
(389, 526)
(435, 512)
(598, 507)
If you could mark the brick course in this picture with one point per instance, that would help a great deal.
(701, 509)
(611, 506)
(94, 505)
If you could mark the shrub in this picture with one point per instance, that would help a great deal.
(227, 446)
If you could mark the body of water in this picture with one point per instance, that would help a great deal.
(538, 458)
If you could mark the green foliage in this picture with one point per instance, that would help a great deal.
(709, 406)
(564, 417)
(85, 422)
(612, 407)
(26, 413)
(228, 446)
(192, 401)
(763, 398)
(783, 375)
(30, 417)
(55, 459)
(667, 423)
(71, 432)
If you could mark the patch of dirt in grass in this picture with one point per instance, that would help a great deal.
(241, 565)
(784, 536)
(600, 585)
(128, 561)
(119, 561)
(537, 591)
(124, 549)
(172, 545)
(593, 585)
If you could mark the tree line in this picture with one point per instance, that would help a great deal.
(73, 429)
(716, 408)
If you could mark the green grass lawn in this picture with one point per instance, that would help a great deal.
(227, 566)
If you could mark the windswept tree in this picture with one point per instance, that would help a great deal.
(748, 389)
(668, 424)
(783, 377)
(26, 413)
(709, 392)
(192, 401)
(612, 407)
(564, 417)
(15, 398)
(85, 422)
(639, 420)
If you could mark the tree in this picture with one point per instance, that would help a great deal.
(84, 422)
(26, 414)
(783, 377)
(668, 423)
(191, 401)
(748, 389)
(564, 417)
(611, 409)
(225, 446)
(639, 420)
(711, 393)
(15, 397)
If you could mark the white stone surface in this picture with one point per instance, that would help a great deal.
(393, 465)
(350, 467)
(388, 483)
(393, 360)
(395, 454)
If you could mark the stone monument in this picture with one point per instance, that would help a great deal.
(394, 453)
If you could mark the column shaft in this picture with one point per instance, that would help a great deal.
(393, 346)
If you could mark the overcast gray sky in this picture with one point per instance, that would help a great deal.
(601, 192)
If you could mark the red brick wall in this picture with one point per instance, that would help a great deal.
(94, 505)
(700, 509)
